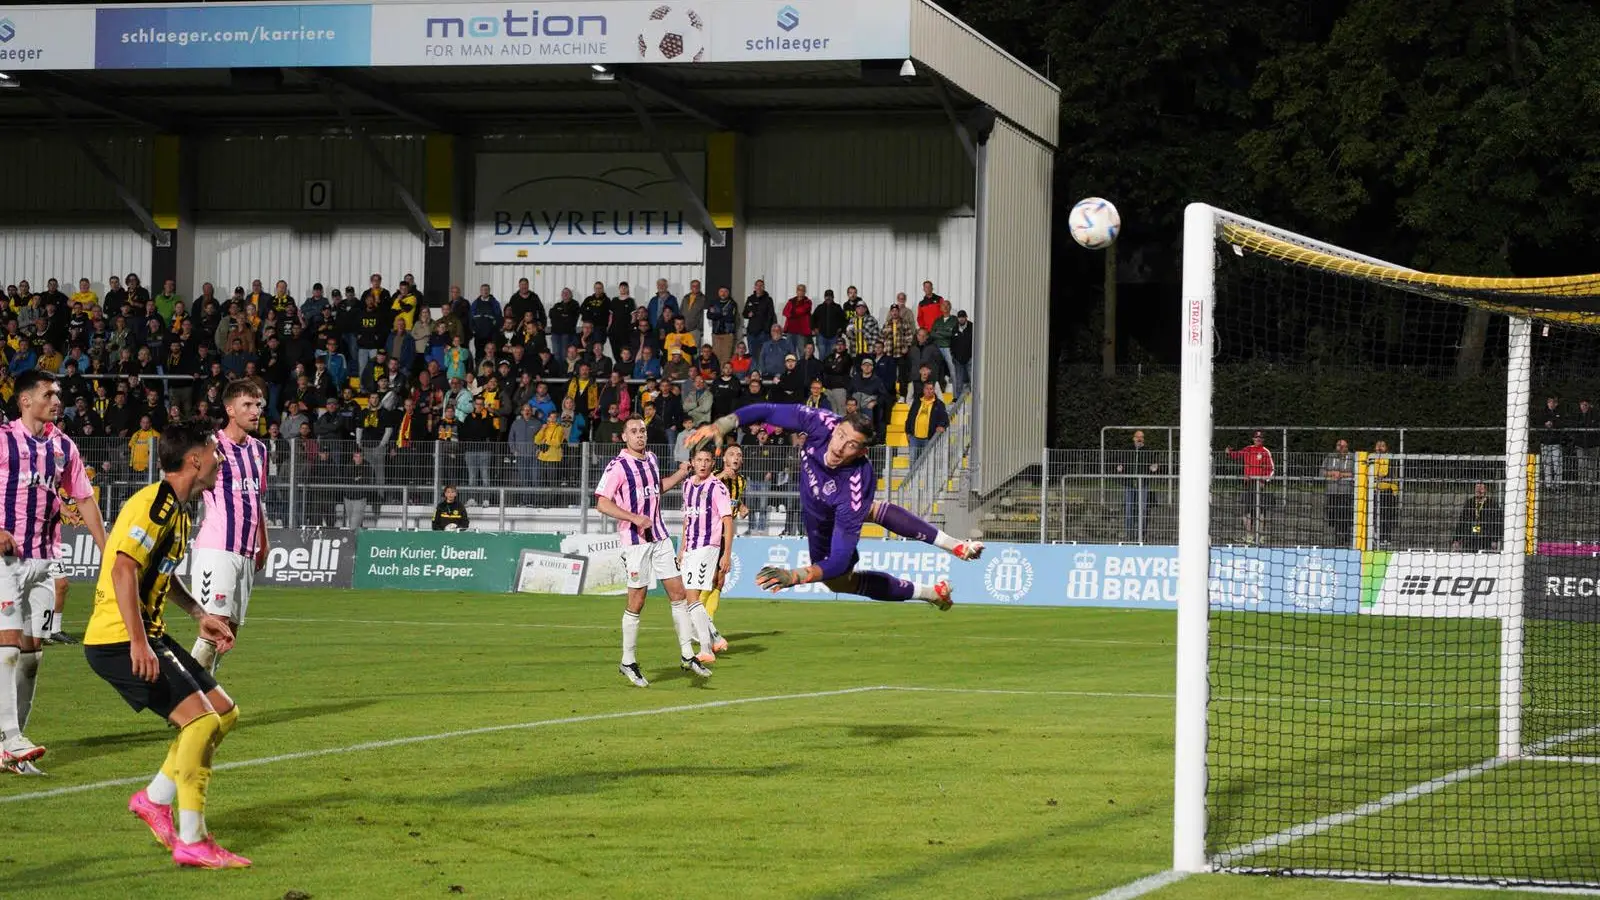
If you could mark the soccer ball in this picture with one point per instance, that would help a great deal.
(1094, 223)
(673, 34)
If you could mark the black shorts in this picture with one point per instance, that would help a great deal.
(180, 675)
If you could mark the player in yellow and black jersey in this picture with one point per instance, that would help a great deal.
(732, 462)
(127, 644)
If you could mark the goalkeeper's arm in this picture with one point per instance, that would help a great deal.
(788, 416)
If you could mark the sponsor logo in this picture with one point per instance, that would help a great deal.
(787, 41)
(1083, 582)
(829, 489)
(8, 607)
(511, 25)
(7, 31)
(145, 538)
(167, 566)
(788, 18)
(1571, 586)
(1009, 577)
(673, 34)
(315, 563)
(1472, 588)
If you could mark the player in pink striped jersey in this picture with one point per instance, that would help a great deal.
(630, 491)
(37, 460)
(232, 542)
(707, 550)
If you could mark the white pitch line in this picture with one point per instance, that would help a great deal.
(449, 735)
(1116, 695)
(1146, 885)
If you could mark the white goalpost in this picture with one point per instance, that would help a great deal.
(1421, 723)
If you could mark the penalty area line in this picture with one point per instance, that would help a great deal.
(1146, 885)
(450, 735)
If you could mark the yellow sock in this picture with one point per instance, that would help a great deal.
(226, 721)
(196, 740)
(709, 600)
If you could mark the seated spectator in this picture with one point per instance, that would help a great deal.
(773, 352)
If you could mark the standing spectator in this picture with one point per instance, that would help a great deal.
(1388, 494)
(358, 480)
(486, 316)
(697, 401)
(928, 418)
(1138, 467)
(725, 390)
(563, 324)
(861, 331)
(692, 309)
(139, 444)
(724, 315)
(525, 301)
(376, 291)
(1258, 472)
(872, 396)
(1480, 525)
(899, 333)
(370, 330)
(1585, 439)
(679, 343)
(827, 324)
(942, 334)
(662, 303)
(797, 318)
(1549, 426)
(759, 317)
(836, 371)
(524, 431)
(620, 334)
(451, 513)
(1339, 468)
(961, 352)
(552, 439)
(924, 355)
(595, 311)
(928, 307)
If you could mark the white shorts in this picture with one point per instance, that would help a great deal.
(648, 562)
(27, 596)
(221, 581)
(700, 568)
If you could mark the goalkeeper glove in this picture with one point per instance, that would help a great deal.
(775, 578)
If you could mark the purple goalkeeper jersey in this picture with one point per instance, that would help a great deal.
(833, 502)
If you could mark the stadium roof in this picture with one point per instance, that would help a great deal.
(951, 66)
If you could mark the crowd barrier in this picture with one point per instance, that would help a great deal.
(1116, 576)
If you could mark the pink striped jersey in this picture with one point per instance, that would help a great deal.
(233, 506)
(704, 505)
(33, 473)
(634, 483)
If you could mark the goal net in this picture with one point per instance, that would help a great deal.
(1389, 630)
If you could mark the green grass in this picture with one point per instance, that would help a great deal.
(1061, 789)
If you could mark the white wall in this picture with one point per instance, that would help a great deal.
(67, 253)
(336, 254)
(879, 258)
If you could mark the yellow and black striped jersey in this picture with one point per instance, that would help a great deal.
(152, 530)
(736, 486)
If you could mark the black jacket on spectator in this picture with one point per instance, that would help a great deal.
(519, 305)
(724, 393)
(759, 315)
(828, 319)
(564, 317)
(961, 344)
(596, 311)
(447, 513)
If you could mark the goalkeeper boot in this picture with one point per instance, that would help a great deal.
(155, 815)
(943, 595)
(966, 551)
(207, 854)
(693, 667)
(631, 672)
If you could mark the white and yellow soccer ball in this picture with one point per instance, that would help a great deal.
(673, 33)
(1094, 223)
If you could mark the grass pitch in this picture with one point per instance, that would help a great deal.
(437, 745)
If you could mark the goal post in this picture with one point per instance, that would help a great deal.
(1413, 719)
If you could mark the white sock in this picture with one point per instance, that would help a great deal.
(701, 623)
(61, 622)
(925, 592)
(27, 678)
(680, 623)
(162, 790)
(630, 637)
(944, 541)
(8, 692)
(191, 826)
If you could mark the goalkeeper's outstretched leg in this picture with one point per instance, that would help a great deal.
(901, 521)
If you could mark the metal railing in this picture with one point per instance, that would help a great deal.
(940, 462)
(1413, 502)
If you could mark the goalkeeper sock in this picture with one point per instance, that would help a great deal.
(882, 586)
(701, 623)
(680, 623)
(196, 740)
(27, 678)
(630, 636)
(163, 788)
(711, 599)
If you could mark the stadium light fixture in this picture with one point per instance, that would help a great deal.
(907, 70)
(601, 73)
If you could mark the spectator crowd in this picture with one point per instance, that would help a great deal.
(360, 379)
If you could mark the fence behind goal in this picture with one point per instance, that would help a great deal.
(1438, 725)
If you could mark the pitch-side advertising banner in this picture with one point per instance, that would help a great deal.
(245, 35)
(1437, 585)
(443, 560)
(296, 557)
(1128, 577)
(605, 208)
(1564, 587)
